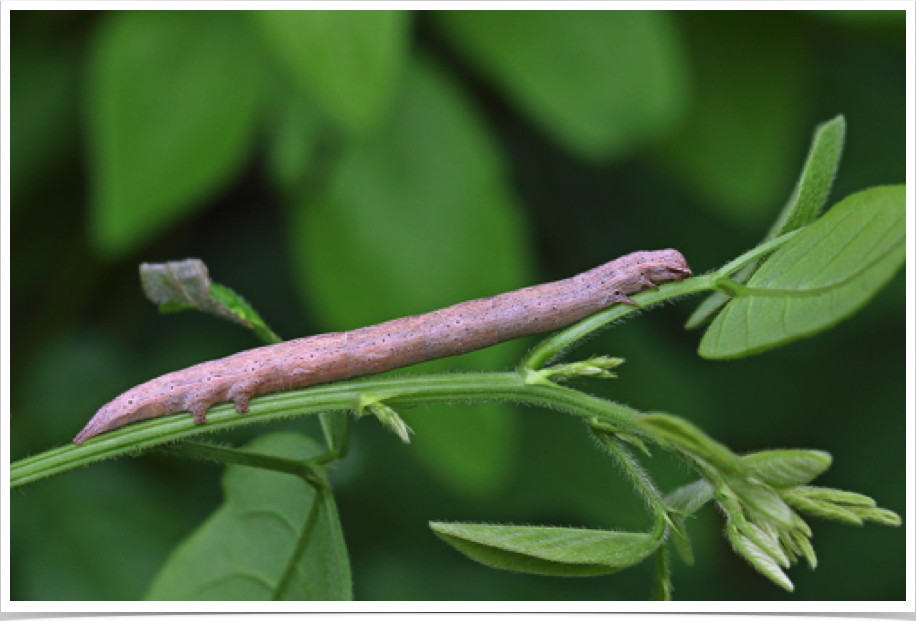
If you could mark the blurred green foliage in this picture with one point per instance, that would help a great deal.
(339, 169)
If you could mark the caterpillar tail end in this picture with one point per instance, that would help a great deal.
(96, 425)
(84, 435)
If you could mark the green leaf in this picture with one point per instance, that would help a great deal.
(787, 468)
(547, 550)
(185, 285)
(599, 82)
(273, 538)
(813, 186)
(822, 275)
(172, 102)
(736, 149)
(418, 217)
(349, 62)
(804, 205)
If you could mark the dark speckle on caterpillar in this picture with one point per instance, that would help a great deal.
(399, 343)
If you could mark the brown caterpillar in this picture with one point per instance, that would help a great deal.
(399, 343)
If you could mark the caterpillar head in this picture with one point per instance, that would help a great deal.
(667, 265)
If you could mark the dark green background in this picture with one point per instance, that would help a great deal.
(344, 169)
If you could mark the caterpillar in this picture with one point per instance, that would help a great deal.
(332, 357)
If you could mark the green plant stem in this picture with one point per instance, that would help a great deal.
(395, 391)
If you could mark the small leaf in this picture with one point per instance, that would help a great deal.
(807, 199)
(822, 275)
(766, 540)
(547, 550)
(876, 514)
(805, 544)
(687, 499)
(836, 496)
(599, 82)
(691, 439)
(821, 509)
(759, 559)
(184, 285)
(762, 501)
(348, 61)
(787, 468)
(173, 97)
(272, 538)
(390, 419)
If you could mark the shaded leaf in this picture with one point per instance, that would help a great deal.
(173, 96)
(547, 550)
(822, 275)
(787, 468)
(350, 62)
(294, 140)
(120, 522)
(736, 148)
(418, 217)
(186, 285)
(272, 538)
(599, 82)
(804, 205)
(44, 82)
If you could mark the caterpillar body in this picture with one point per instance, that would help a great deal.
(394, 344)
